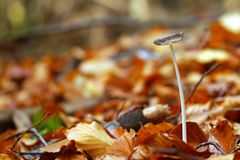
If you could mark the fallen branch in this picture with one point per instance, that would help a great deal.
(28, 129)
(33, 131)
(210, 70)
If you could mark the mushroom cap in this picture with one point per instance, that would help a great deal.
(172, 38)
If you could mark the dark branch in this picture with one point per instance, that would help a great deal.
(217, 146)
(28, 130)
(210, 70)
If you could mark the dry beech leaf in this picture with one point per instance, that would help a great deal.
(224, 157)
(149, 130)
(223, 133)
(55, 147)
(195, 135)
(123, 147)
(91, 138)
(151, 136)
(111, 157)
(117, 132)
(209, 55)
(172, 142)
(5, 157)
(231, 22)
(164, 127)
(98, 66)
(73, 157)
(146, 133)
(141, 152)
(68, 120)
(199, 113)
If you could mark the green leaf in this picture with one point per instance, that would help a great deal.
(49, 125)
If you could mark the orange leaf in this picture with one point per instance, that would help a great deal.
(122, 147)
(223, 133)
(149, 130)
(146, 133)
(195, 135)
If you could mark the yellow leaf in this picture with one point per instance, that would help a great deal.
(91, 138)
(223, 157)
(4, 157)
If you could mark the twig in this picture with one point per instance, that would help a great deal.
(27, 130)
(204, 39)
(210, 70)
(39, 136)
(33, 131)
(89, 157)
(13, 136)
(236, 150)
(217, 146)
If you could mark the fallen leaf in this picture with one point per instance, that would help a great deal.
(223, 133)
(91, 138)
(231, 22)
(146, 133)
(195, 135)
(123, 147)
(5, 157)
(49, 125)
(110, 157)
(73, 157)
(55, 147)
(224, 157)
(209, 55)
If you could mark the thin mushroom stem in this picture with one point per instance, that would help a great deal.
(181, 94)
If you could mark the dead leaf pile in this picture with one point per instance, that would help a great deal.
(121, 102)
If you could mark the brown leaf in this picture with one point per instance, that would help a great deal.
(149, 130)
(223, 157)
(150, 136)
(146, 133)
(122, 147)
(195, 135)
(55, 147)
(223, 133)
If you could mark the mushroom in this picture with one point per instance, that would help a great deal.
(169, 40)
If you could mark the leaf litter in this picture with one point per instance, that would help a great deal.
(121, 102)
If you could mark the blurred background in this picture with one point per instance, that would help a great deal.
(35, 27)
(98, 44)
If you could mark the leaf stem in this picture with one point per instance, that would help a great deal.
(181, 94)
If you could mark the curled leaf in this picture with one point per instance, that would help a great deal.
(122, 147)
(195, 135)
(223, 134)
(91, 138)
